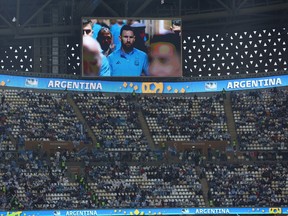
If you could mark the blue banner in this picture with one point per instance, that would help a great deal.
(143, 87)
(149, 211)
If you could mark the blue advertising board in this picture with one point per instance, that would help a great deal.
(143, 87)
(150, 211)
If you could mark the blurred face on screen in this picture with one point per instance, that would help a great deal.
(105, 38)
(127, 40)
(91, 56)
(120, 21)
(87, 29)
(164, 60)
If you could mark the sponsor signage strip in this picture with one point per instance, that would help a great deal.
(143, 87)
(149, 211)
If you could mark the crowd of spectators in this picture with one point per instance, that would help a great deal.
(261, 119)
(32, 182)
(114, 121)
(42, 116)
(254, 185)
(97, 155)
(26, 180)
(121, 170)
(164, 185)
(5, 128)
(185, 118)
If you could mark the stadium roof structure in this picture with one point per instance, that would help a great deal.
(226, 37)
(44, 18)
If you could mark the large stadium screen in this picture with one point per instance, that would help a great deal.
(131, 47)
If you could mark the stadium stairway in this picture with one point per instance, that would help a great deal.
(230, 118)
(231, 127)
(13, 140)
(149, 138)
(81, 117)
(205, 186)
(145, 128)
(74, 168)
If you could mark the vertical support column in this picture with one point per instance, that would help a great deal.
(45, 56)
(36, 56)
(55, 55)
(41, 55)
(63, 55)
(55, 44)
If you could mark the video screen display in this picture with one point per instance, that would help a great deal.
(131, 47)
